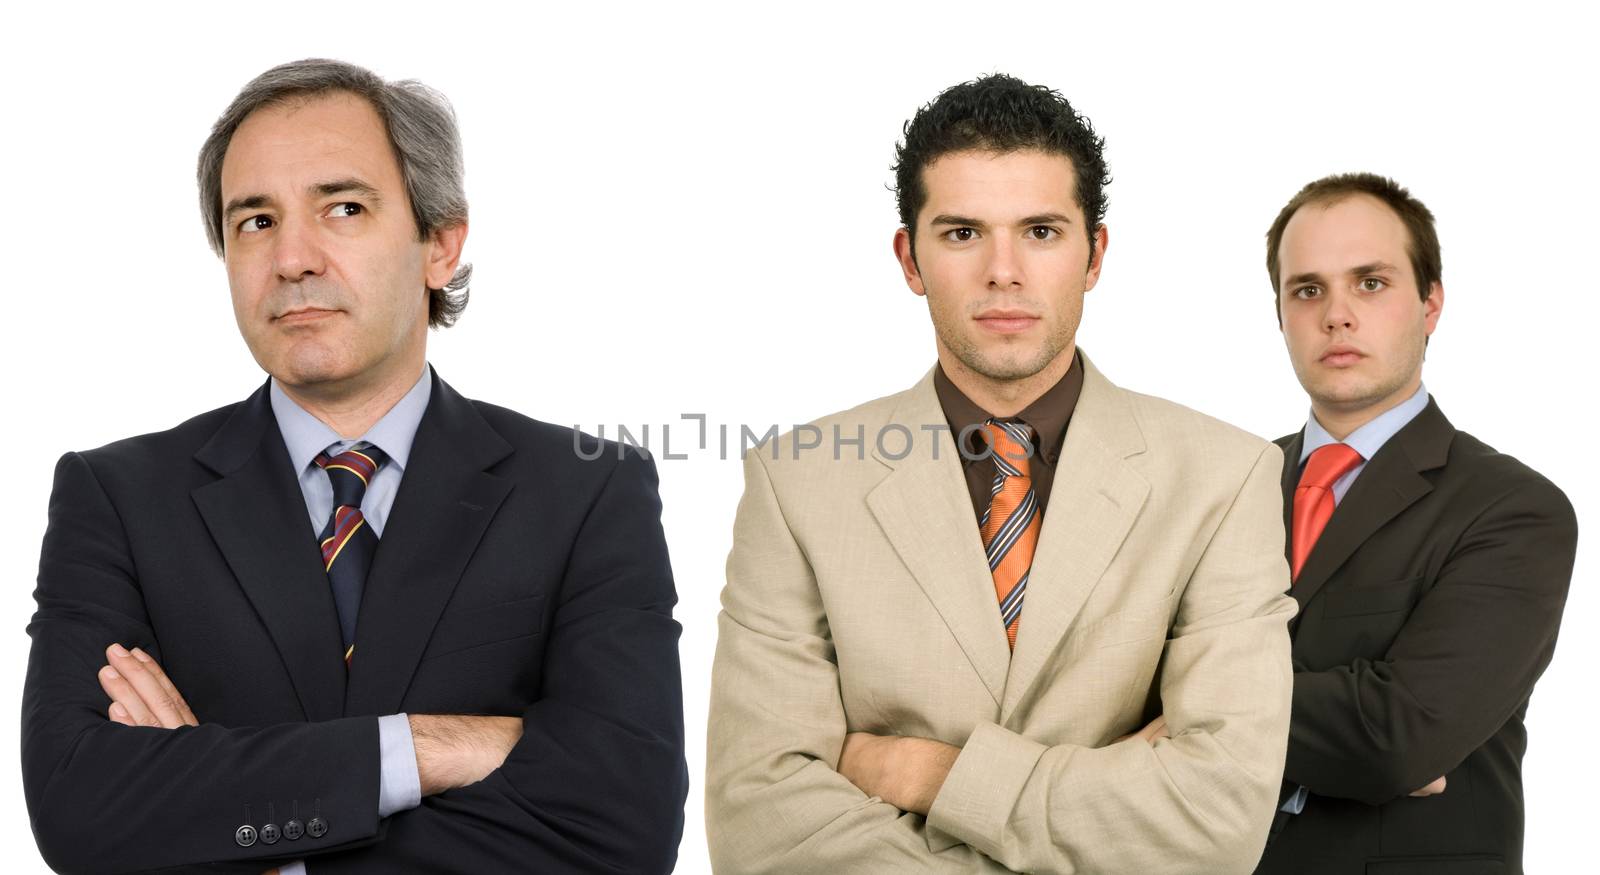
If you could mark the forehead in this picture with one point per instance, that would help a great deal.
(999, 185)
(308, 140)
(1333, 235)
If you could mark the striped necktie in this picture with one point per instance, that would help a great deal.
(1010, 526)
(348, 542)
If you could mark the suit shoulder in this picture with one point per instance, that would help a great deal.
(1481, 468)
(553, 445)
(1171, 427)
(160, 447)
(852, 433)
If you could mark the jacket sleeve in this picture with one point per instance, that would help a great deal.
(598, 780)
(1463, 663)
(1199, 801)
(775, 802)
(103, 797)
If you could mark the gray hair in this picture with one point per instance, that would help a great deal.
(422, 130)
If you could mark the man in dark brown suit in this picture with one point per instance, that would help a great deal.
(1430, 569)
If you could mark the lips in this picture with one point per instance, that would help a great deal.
(304, 314)
(1006, 321)
(1341, 356)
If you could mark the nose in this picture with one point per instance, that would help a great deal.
(1005, 265)
(296, 252)
(1338, 314)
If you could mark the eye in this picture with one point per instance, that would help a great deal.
(1043, 232)
(254, 224)
(1372, 284)
(1306, 293)
(960, 235)
(345, 210)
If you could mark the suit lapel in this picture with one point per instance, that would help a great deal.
(257, 516)
(924, 510)
(1391, 482)
(1290, 479)
(1094, 500)
(445, 502)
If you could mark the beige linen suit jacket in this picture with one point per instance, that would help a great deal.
(859, 599)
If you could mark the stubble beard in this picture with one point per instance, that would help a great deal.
(1360, 395)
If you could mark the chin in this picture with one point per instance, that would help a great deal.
(310, 370)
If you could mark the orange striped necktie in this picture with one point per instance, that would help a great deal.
(1010, 527)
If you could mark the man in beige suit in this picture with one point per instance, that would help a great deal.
(870, 711)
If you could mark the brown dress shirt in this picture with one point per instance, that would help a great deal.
(1048, 415)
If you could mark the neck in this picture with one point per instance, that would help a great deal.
(1003, 398)
(351, 411)
(1342, 422)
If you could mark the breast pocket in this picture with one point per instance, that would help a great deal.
(1365, 599)
(460, 630)
(1363, 619)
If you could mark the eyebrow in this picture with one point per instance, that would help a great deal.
(1358, 270)
(965, 222)
(347, 185)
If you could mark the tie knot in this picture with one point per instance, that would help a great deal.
(1328, 464)
(1011, 444)
(350, 472)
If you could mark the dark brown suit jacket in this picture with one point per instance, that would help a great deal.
(1428, 609)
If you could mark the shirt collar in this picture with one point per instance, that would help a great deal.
(305, 435)
(1048, 415)
(1369, 438)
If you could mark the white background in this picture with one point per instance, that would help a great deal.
(685, 211)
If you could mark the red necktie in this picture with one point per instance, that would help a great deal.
(1313, 498)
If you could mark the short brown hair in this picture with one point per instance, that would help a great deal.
(1422, 245)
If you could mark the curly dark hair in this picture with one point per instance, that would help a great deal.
(1000, 113)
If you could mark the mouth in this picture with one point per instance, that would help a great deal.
(1341, 356)
(303, 315)
(1005, 321)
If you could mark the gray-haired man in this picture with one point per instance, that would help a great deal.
(300, 599)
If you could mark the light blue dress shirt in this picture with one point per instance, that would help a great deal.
(304, 436)
(1366, 440)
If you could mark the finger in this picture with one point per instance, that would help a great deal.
(171, 689)
(118, 714)
(123, 694)
(155, 699)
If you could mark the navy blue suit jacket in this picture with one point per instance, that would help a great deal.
(522, 571)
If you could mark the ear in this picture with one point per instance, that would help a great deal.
(1097, 257)
(443, 254)
(1432, 306)
(908, 262)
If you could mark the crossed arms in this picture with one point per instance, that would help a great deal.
(1464, 662)
(777, 800)
(108, 797)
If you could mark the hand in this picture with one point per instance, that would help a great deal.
(902, 771)
(457, 750)
(1153, 730)
(141, 694)
(1433, 789)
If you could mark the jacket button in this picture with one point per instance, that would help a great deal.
(269, 834)
(293, 830)
(317, 827)
(245, 835)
